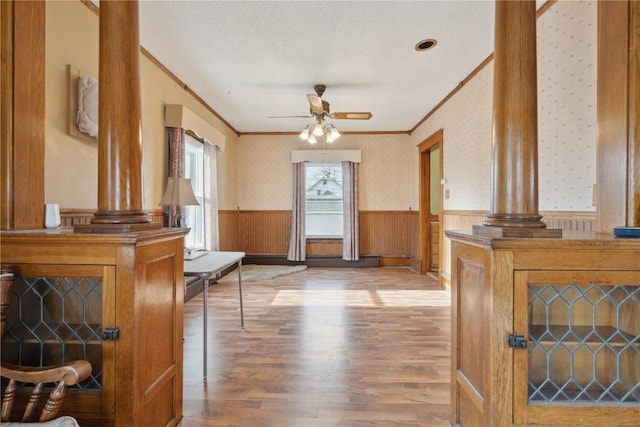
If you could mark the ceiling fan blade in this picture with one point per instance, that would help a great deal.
(351, 115)
(316, 104)
(290, 117)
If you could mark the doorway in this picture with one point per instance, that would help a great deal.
(430, 177)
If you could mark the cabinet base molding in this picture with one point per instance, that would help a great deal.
(490, 231)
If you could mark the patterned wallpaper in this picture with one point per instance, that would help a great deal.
(466, 120)
(389, 170)
(265, 179)
(567, 42)
(566, 119)
(264, 169)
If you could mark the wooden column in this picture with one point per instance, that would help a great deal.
(22, 109)
(514, 177)
(633, 207)
(120, 124)
(618, 116)
(633, 216)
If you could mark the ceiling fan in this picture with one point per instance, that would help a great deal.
(319, 109)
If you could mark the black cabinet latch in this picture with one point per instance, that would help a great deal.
(517, 341)
(111, 334)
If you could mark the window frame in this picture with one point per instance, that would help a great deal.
(338, 169)
(194, 215)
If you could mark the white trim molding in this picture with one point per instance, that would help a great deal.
(322, 156)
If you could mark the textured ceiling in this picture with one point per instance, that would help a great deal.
(250, 60)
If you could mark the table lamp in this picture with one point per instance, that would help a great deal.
(178, 193)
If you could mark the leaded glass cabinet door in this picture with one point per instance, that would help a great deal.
(67, 324)
(582, 360)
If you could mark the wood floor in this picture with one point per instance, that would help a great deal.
(321, 348)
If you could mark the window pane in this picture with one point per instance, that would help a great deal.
(193, 215)
(323, 211)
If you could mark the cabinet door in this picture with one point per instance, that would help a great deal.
(582, 361)
(66, 324)
(157, 335)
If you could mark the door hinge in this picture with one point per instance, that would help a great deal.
(517, 341)
(111, 334)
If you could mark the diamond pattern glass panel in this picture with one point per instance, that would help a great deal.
(584, 343)
(67, 326)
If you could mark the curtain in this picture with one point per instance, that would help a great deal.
(351, 234)
(297, 242)
(211, 227)
(177, 141)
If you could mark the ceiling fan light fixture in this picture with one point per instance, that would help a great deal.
(305, 134)
(317, 130)
(332, 133)
(311, 133)
(319, 109)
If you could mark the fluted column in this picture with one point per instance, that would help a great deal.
(120, 123)
(514, 177)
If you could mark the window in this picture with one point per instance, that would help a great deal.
(193, 215)
(323, 200)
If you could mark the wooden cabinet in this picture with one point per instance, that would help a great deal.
(545, 331)
(113, 299)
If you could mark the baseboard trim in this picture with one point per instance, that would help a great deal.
(313, 261)
(395, 261)
(414, 264)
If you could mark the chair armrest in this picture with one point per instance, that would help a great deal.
(71, 373)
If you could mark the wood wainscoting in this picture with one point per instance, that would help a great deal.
(324, 247)
(465, 220)
(262, 232)
(392, 235)
(434, 265)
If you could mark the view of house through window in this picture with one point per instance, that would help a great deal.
(323, 210)
(193, 215)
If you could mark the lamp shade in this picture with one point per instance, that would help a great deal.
(178, 193)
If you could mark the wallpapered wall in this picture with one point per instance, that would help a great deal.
(253, 172)
(567, 41)
(566, 119)
(72, 38)
(389, 175)
(265, 173)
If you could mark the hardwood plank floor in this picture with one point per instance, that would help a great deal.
(321, 348)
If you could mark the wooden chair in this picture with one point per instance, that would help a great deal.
(62, 375)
